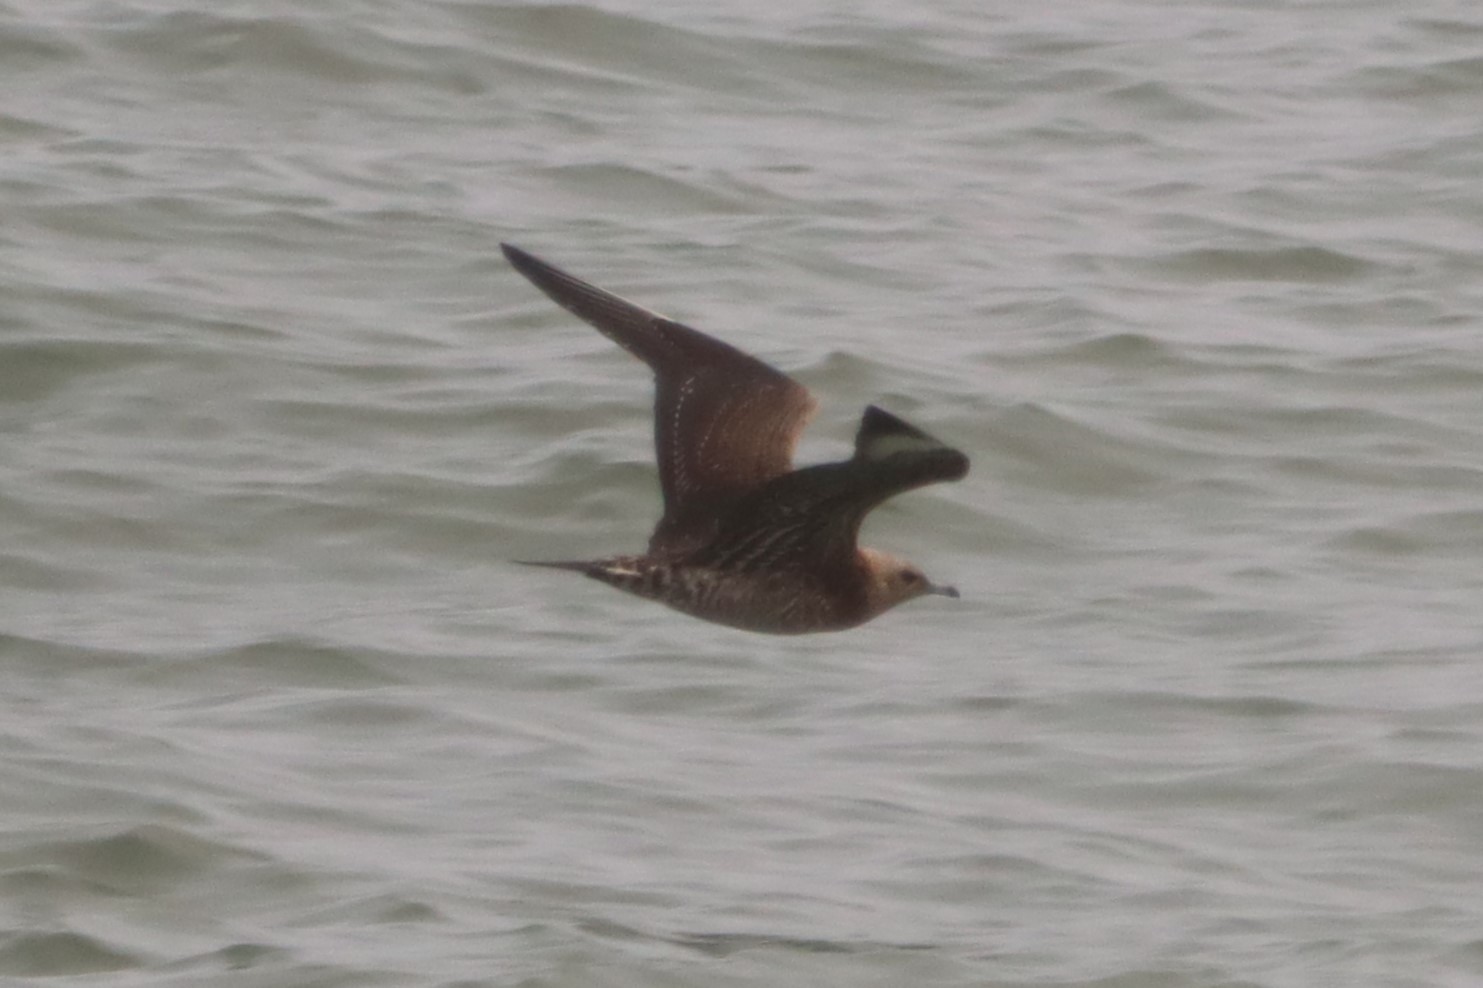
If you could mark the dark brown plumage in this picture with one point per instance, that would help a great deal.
(746, 540)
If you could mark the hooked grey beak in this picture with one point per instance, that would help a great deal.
(943, 591)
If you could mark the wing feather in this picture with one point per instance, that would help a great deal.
(811, 518)
(725, 423)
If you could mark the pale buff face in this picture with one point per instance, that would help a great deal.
(894, 581)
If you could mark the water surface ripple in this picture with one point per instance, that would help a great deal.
(1197, 287)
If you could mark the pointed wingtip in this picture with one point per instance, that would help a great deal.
(522, 260)
(882, 434)
(877, 423)
(563, 288)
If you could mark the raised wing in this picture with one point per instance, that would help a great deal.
(811, 518)
(725, 423)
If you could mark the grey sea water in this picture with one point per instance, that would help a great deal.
(1199, 287)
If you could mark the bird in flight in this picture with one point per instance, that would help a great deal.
(745, 539)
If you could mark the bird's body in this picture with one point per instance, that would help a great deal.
(779, 602)
(746, 540)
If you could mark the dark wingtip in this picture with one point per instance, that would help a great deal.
(957, 464)
(877, 419)
(877, 425)
(523, 261)
(882, 434)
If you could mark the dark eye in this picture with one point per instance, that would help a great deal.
(911, 577)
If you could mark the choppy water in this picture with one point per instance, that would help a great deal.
(1199, 287)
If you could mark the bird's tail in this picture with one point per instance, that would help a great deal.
(575, 565)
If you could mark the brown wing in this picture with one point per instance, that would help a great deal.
(810, 519)
(724, 422)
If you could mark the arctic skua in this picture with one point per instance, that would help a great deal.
(746, 540)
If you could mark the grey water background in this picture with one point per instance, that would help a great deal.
(1199, 287)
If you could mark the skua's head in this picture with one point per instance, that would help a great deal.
(894, 581)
